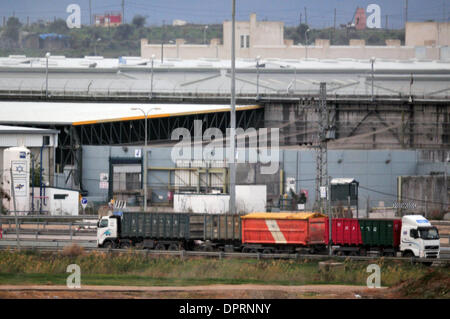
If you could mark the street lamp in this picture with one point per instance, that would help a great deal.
(257, 76)
(151, 78)
(47, 55)
(306, 43)
(372, 61)
(95, 46)
(204, 34)
(145, 150)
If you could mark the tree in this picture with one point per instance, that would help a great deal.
(139, 21)
(123, 31)
(12, 29)
(58, 26)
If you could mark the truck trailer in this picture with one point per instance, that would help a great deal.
(410, 236)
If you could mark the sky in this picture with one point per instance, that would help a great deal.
(319, 12)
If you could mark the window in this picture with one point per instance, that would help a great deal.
(103, 223)
(245, 41)
(126, 178)
(46, 140)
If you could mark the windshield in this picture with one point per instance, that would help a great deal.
(103, 223)
(428, 233)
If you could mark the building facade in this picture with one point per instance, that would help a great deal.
(425, 40)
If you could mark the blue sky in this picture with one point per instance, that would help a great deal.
(319, 12)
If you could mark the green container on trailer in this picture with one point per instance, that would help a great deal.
(222, 227)
(377, 232)
(155, 225)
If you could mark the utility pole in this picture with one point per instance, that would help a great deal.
(123, 11)
(163, 39)
(406, 12)
(90, 12)
(306, 17)
(387, 19)
(322, 180)
(233, 112)
(334, 25)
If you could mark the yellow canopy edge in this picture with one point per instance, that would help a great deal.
(283, 215)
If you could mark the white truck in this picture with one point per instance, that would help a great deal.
(419, 238)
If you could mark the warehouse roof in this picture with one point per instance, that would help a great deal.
(6, 129)
(130, 76)
(90, 113)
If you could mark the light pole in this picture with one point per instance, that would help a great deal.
(233, 112)
(204, 34)
(145, 150)
(372, 61)
(151, 78)
(306, 43)
(257, 77)
(95, 46)
(47, 55)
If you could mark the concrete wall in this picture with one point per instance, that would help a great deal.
(424, 194)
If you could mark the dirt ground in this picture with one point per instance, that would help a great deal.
(191, 292)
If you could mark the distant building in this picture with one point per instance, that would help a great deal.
(427, 34)
(178, 22)
(108, 19)
(266, 39)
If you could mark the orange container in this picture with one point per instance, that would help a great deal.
(283, 228)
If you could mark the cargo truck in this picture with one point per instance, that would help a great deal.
(411, 236)
(169, 231)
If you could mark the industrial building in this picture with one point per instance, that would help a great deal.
(389, 119)
(423, 40)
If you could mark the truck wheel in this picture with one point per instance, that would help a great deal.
(108, 244)
(267, 251)
(408, 254)
(125, 245)
(253, 251)
(160, 247)
(173, 247)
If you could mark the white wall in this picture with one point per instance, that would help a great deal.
(249, 198)
(201, 203)
(67, 206)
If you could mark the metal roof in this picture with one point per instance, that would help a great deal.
(343, 181)
(90, 113)
(6, 129)
(99, 77)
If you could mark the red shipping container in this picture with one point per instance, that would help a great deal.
(345, 231)
(283, 228)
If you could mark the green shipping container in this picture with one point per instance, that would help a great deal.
(155, 225)
(377, 232)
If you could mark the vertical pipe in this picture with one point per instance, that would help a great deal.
(145, 165)
(233, 112)
(13, 193)
(32, 185)
(40, 181)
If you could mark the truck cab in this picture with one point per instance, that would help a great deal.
(419, 238)
(107, 231)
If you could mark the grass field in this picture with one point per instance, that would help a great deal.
(98, 268)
